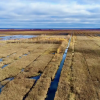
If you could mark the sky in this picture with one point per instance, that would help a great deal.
(49, 13)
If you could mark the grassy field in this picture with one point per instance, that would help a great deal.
(27, 59)
(50, 32)
(79, 79)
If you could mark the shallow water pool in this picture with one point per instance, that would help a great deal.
(17, 37)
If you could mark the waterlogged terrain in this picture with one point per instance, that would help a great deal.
(10, 37)
(24, 65)
(79, 78)
(62, 67)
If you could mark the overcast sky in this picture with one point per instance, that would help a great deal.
(49, 13)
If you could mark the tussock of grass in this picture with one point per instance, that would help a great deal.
(79, 73)
(41, 39)
(38, 65)
(40, 60)
(4, 82)
(16, 89)
(62, 47)
(40, 89)
(15, 67)
(1, 64)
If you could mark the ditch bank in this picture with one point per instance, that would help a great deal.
(54, 84)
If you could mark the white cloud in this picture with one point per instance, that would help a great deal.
(22, 11)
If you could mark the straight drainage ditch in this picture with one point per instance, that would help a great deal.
(54, 84)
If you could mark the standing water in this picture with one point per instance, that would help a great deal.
(1, 87)
(5, 66)
(17, 37)
(0, 60)
(54, 84)
(36, 77)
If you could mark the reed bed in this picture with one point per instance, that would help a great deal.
(37, 66)
(40, 89)
(35, 32)
(41, 39)
(50, 32)
(1, 64)
(80, 74)
(63, 90)
(62, 47)
(16, 89)
(15, 56)
(43, 58)
(9, 49)
(15, 67)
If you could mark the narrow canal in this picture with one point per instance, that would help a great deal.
(54, 84)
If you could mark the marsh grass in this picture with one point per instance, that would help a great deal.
(16, 89)
(62, 47)
(37, 66)
(15, 67)
(63, 90)
(24, 49)
(41, 39)
(40, 89)
(39, 60)
(1, 64)
(78, 80)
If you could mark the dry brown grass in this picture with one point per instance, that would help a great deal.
(42, 39)
(39, 60)
(15, 67)
(24, 49)
(37, 66)
(1, 64)
(40, 89)
(83, 82)
(4, 82)
(9, 49)
(63, 90)
(49, 32)
(16, 89)
(80, 74)
(53, 32)
(62, 47)
(84, 76)
(52, 68)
